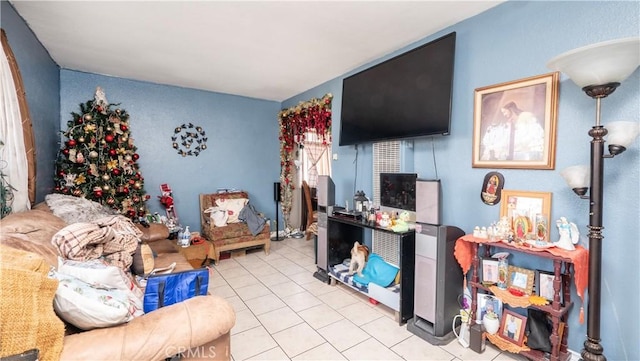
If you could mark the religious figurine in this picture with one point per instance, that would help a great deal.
(569, 234)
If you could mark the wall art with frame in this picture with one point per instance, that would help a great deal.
(489, 271)
(514, 124)
(522, 208)
(512, 327)
(544, 285)
(521, 279)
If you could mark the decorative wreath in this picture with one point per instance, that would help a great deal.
(189, 137)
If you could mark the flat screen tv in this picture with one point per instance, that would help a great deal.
(408, 96)
(398, 191)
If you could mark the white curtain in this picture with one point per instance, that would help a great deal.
(12, 154)
(316, 160)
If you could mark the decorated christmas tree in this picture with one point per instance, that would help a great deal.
(98, 160)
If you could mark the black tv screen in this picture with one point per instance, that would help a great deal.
(398, 190)
(407, 96)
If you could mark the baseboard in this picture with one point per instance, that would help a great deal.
(574, 355)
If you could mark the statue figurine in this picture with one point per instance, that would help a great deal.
(569, 234)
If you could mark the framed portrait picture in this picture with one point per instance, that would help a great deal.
(489, 271)
(522, 209)
(514, 124)
(521, 279)
(544, 285)
(487, 303)
(512, 327)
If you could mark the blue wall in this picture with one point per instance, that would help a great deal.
(512, 41)
(242, 148)
(41, 78)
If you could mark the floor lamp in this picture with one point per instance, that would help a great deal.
(598, 69)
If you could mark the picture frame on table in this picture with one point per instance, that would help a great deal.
(521, 279)
(544, 285)
(522, 208)
(512, 327)
(514, 123)
(487, 303)
(489, 271)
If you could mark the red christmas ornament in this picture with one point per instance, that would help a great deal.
(135, 156)
(111, 201)
(136, 199)
(147, 197)
(131, 181)
(123, 127)
(115, 171)
(65, 190)
(99, 108)
(79, 120)
(77, 192)
(109, 138)
(72, 142)
(98, 193)
(125, 190)
(112, 152)
(61, 174)
(131, 213)
(65, 151)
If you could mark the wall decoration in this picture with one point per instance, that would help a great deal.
(314, 114)
(514, 124)
(521, 209)
(492, 188)
(189, 139)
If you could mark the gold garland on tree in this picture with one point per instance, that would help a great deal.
(314, 114)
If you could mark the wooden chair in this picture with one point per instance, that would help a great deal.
(312, 215)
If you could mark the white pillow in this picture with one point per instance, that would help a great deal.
(99, 274)
(218, 216)
(88, 307)
(232, 206)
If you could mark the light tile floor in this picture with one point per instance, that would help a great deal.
(284, 313)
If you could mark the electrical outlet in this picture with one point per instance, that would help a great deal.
(335, 156)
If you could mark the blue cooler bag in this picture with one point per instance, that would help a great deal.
(167, 289)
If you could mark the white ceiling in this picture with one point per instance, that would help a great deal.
(262, 49)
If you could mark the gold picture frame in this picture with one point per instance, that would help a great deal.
(521, 279)
(518, 204)
(514, 124)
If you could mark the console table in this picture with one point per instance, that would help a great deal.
(342, 232)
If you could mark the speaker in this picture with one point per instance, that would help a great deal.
(428, 201)
(326, 191)
(276, 192)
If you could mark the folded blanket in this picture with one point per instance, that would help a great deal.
(377, 271)
(26, 306)
(113, 238)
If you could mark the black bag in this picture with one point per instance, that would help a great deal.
(538, 330)
(254, 220)
(167, 289)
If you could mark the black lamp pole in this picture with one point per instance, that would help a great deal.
(593, 350)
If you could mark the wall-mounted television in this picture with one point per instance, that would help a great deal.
(407, 96)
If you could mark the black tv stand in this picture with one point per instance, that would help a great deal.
(343, 231)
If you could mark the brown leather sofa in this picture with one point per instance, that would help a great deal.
(197, 329)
